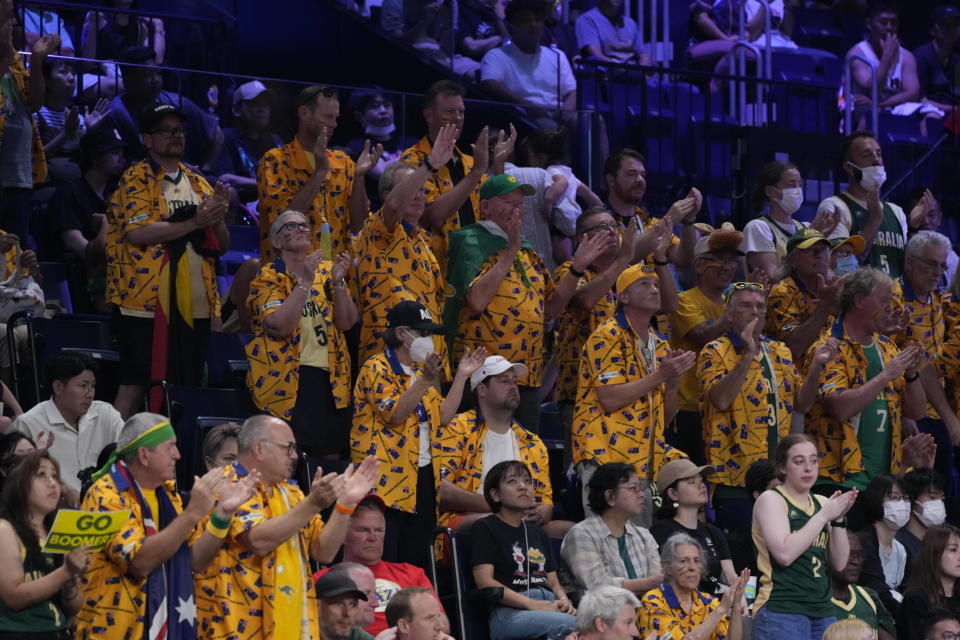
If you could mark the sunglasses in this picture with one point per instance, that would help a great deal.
(745, 286)
(307, 95)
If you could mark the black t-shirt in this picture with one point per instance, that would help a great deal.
(521, 556)
(71, 207)
(742, 551)
(241, 155)
(937, 82)
(708, 535)
(914, 607)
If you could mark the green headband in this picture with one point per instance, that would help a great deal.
(149, 438)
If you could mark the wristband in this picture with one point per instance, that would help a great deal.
(840, 524)
(347, 511)
(661, 263)
(574, 271)
(219, 522)
(217, 532)
(912, 378)
(430, 167)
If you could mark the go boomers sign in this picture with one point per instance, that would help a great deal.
(74, 529)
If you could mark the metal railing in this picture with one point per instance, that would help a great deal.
(738, 89)
(767, 33)
(848, 93)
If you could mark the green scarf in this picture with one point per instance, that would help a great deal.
(149, 438)
(470, 248)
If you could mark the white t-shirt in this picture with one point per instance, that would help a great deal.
(532, 77)
(758, 235)
(534, 225)
(846, 220)
(566, 210)
(497, 447)
(73, 449)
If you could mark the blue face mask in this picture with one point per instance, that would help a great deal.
(845, 265)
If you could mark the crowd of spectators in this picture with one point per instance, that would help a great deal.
(755, 424)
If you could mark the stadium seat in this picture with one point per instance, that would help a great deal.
(226, 360)
(56, 288)
(244, 244)
(202, 426)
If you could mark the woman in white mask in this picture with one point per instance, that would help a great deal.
(778, 195)
(887, 510)
(925, 489)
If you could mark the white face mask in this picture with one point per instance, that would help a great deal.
(873, 177)
(791, 200)
(896, 513)
(934, 513)
(420, 348)
(379, 132)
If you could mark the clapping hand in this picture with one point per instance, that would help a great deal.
(443, 145)
(323, 489)
(825, 352)
(320, 151)
(826, 221)
(44, 46)
(481, 151)
(310, 264)
(234, 494)
(919, 451)
(471, 361)
(919, 212)
(503, 148)
(839, 504)
(99, 112)
(760, 276)
(590, 249)
(356, 482)
(750, 336)
(676, 363)
(369, 158)
(341, 265)
(203, 496)
(432, 367)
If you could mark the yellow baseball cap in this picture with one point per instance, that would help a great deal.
(634, 273)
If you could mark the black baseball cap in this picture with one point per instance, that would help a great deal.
(410, 313)
(100, 140)
(333, 584)
(946, 12)
(153, 114)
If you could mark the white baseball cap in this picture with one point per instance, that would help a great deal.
(249, 91)
(495, 365)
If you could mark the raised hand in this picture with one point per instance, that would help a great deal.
(481, 151)
(323, 489)
(358, 480)
(895, 322)
(838, 504)
(234, 494)
(99, 112)
(514, 230)
(907, 359)
(341, 265)
(72, 122)
(504, 146)
(592, 248)
(310, 264)
(471, 361)
(826, 221)
(663, 239)
(750, 335)
(443, 145)
(827, 291)
(686, 209)
(919, 451)
(203, 496)
(320, 151)
(826, 352)
(44, 46)
(676, 363)
(433, 366)
(369, 158)
(919, 212)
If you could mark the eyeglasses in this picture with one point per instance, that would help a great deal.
(932, 265)
(289, 447)
(292, 227)
(169, 132)
(896, 497)
(603, 226)
(949, 635)
(308, 94)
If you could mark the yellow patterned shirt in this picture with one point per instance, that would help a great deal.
(380, 384)
(927, 323)
(574, 327)
(281, 175)
(274, 377)
(133, 271)
(438, 184)
(694, 309)
(660, 613)
(459, 456)
(114, 602)
(512, 324)
(634, 434)
(948, 363)
(236, 592)
(21, 76)
(738, 437)
(788, 306)
(393, 266)
(837, 441)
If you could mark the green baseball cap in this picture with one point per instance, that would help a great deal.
(502, 185)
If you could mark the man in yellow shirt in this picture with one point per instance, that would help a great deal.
(396, 261)
(867, 389)
(501, 291)
(804, 303)
(164, 220)
(699, 319)
(142, 580)
(258, 585)
(478, 439)
(453, 189)
(750, 393)
(306, 176)
(628, 387)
